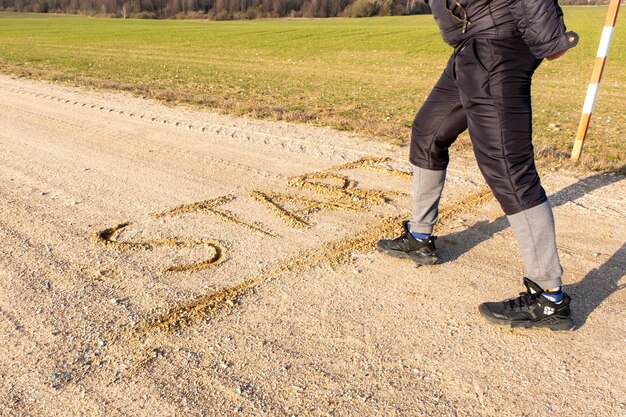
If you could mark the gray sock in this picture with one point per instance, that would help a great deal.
(535, 233)
(427, 189)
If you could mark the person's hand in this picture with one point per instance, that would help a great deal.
(556, 56)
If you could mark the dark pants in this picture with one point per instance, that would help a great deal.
(486, 88)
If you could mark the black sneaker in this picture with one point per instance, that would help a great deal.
(406, 246)
(530, 309)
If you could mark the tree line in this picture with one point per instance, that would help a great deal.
(229, 9)
(220, 9)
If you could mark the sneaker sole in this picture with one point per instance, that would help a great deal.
(418, 258)
(564, 324)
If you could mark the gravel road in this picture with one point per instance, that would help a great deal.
(167, 261)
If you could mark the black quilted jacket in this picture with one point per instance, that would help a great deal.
(539, 22)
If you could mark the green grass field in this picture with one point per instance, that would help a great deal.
(364, 75)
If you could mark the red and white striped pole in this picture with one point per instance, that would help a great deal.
(596, 76)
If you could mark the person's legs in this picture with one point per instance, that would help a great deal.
(436, 126)
(494, 79)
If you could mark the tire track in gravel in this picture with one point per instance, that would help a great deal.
(212, 129)
(139, 143)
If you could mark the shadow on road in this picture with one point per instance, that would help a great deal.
(597, 286)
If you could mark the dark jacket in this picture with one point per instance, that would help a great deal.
(539, 22)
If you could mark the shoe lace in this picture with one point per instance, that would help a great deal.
(524, 300)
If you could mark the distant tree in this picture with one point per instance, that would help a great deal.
(124, 9)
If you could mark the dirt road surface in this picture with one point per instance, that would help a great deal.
(159, 261)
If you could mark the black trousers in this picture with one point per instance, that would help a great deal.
(485, 88)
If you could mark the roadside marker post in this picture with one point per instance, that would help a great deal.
(596, 76)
